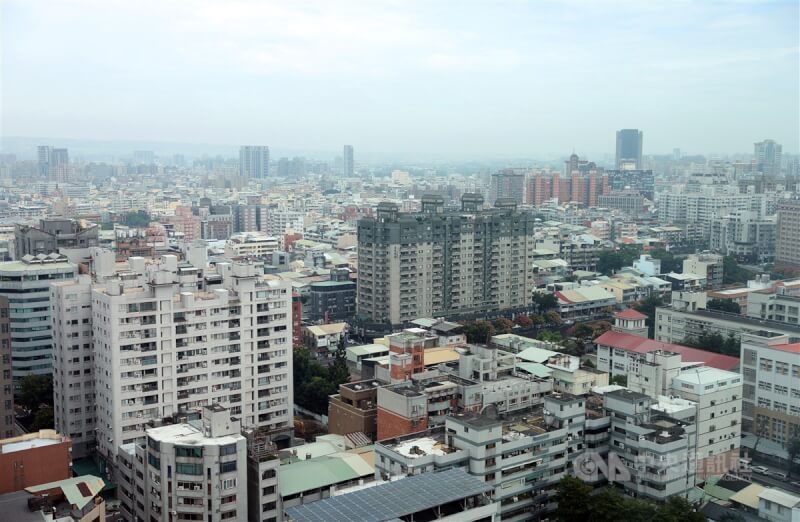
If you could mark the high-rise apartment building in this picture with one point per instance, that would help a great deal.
(706, 265)
(6, 383)
(768, 157)
(584, 185)
(73, 362)
(787, 241)
(507, 184)
(348, 162)
(437, 263)
(629, 149)
(771, 369)
(50, 159)
(254, 161)
(192, 470)
(163, 346)
(26, 285)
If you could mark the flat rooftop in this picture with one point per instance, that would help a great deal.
(28, 444)
(393, 500)
(189, 434)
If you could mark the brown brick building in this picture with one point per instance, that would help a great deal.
(355, 408)
(33, 459)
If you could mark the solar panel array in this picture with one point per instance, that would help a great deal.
(394, 499)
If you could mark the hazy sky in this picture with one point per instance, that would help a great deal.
(460, 79)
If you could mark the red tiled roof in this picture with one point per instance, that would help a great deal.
(561, 296)
(793, 348)
(634, 343)
(630, 313)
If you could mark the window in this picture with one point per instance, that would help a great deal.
(154, 461)
(227, 467)
(229, 483)
(228, 449)
(186, 451)
(188, 469)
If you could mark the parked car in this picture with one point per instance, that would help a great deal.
(779, 475)
(761, 470)
(795, 483)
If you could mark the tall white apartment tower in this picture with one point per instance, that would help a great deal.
(254, 161)
(164, 347)
(73, 363)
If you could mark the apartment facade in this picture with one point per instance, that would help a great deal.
(6, 381)
(787, 243)
(26, 285)
(771, 372)
(436, 263)
(676, 325)
(194, 470)
(162, 349)
(73, 363)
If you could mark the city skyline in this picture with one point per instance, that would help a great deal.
(651, 67)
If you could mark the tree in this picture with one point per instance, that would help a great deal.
(724, 305)
(573, 498)
(553, 317)
(677, 509)
(549, 336)
(313, 382)
(478, 332)
(669, 263)
(715, 342)
(620, 380)
(338, 372)
(733, 273)
(606, 505)
(648, 307)
(523, 321)
(502, 325)
(138, 218)
(581, 330)
(793, 449)
(35, 390)
(536, 319)
(588, 363)
(762, 423)
(608, 262)
(600, 328)
(545, 301)
(44, 419)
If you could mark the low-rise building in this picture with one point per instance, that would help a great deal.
(355, 408)
(452, 495)
(584, 302)
(251, 245)
(707, 266)
(33, 459)
(333, 300)
(324, 339)
(74, 499)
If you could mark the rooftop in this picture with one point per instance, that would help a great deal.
(326, 470)
(189, 434)
(631, 314)
(393, 500)
(637, 344)
(780, 497)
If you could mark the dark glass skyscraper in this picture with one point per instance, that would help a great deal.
(629, 147)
